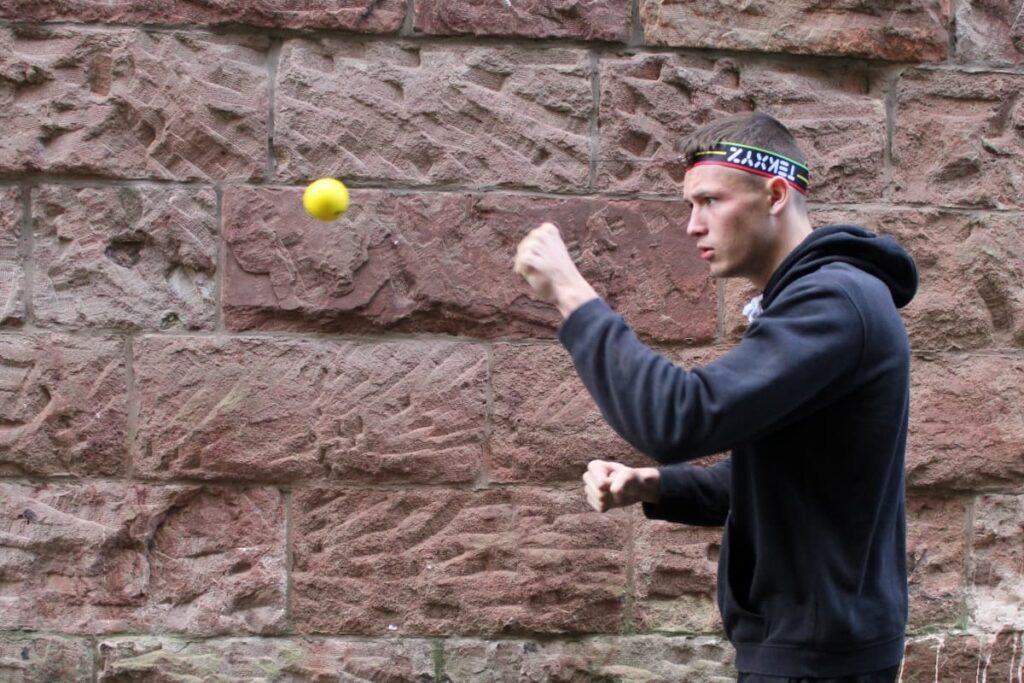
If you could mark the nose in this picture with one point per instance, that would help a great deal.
(696, 227)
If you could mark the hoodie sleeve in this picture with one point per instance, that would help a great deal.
(790, 356)
(693, 495)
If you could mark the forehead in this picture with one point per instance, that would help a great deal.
(715, 179)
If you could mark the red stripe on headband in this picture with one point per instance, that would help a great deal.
(712, 162)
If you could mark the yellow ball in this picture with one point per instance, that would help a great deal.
(325, 199)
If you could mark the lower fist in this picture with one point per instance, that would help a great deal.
(610, 485)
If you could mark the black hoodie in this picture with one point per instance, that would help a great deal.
(813, 404)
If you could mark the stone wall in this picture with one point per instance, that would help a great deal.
(236, 441)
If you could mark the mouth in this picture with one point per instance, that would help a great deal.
(706, 253)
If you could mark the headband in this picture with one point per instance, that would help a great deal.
(754, 160)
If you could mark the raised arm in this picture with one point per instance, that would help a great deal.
(785, 366)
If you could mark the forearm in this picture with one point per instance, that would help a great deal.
(788, 363)
(691, 494)
(637, 390)
(649, 480)
(573, 294)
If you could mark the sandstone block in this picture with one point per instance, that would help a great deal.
(957, 139)
(574, 19)
(130, 104)
(39, 658)
(935, 559)
(244, 660)
(63, 406)
(128, 258)
(650, 102)
(675, 577)
(905, 30)
(971, 267)
(990, 31)
(545, 425)
(268, 409)
(443, 263)
(996, 586)
(423, 114)
(965, 433)
(12, 282)
(442, 561)
(640, 658)
(110, 557)
(963, 657)
(364, 16)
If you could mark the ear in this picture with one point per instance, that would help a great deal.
(779, 193)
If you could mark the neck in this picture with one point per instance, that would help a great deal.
(793, 229)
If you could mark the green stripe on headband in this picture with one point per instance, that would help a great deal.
(755, 160)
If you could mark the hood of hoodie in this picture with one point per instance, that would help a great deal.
(881, 256)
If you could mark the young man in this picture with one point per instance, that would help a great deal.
(812, 404)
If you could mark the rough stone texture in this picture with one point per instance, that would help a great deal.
(431, 525)
(632, 659)
(443, 263)
(544, 424)
(364, 16)
(996, 593)
(434, 114)
(129, 104)
(972, 278)
(124, 258)
(12, 273)
(990, 31)
(965, 426)
(444, 561)
(573, 19)
(649, 102)
(675, 577)
(245, 660)
(271, 409)
(935, 559)
(110, 557)
(904, 30)
(958, 139)
(38, 658)
(971, 267)
(962, 658)
(63, 406)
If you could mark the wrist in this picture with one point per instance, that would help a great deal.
(650, 484)
(571, 296)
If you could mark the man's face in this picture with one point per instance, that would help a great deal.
(729, 219)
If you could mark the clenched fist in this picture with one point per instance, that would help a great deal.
(613, 485)
(544, 261)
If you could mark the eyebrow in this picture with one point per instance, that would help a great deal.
(701, 193)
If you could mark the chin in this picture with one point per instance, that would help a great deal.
(719, 270)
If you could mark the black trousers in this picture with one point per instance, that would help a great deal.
(882, 676)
